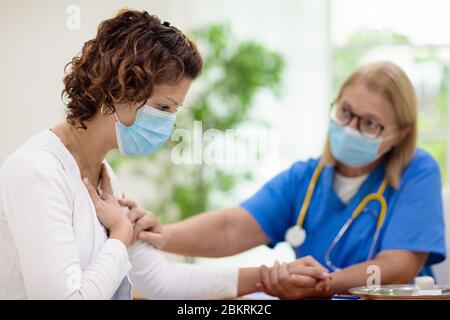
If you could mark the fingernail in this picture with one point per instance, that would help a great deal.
(326, 274)
(86, 181)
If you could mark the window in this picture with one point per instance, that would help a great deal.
(415, 34)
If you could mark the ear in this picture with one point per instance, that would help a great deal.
(404, 133)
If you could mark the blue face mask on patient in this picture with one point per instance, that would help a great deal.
(147, 134)
(352, 148)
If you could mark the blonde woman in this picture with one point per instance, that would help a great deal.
(373, 198)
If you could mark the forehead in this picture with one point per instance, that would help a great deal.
(368, 102)
(177, 90)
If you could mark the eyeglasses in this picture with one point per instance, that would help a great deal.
(366, 126)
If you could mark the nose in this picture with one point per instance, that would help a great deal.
(353, 123)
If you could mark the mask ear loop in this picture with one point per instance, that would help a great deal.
(102, 111)
(392, 136)
(117, 118)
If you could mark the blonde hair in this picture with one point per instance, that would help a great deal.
(392, 82)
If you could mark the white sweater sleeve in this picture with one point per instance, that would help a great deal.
(156, 278)
(38, 198)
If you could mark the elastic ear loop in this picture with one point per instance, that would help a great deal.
(102, 111)
(119, 143)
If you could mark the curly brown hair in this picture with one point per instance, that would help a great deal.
(131, 53)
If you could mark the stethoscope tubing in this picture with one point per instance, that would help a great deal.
(338, 237)
(378, 196)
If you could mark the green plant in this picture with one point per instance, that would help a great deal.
(234, 73)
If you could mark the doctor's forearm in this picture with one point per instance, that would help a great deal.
(356, 276)
(214, 234)
(201, 235)
(392, 267)
(351, 277)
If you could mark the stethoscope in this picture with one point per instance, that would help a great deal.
(296, 235)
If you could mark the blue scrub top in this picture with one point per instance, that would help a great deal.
(414, 220)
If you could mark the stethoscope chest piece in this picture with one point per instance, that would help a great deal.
(295, 236)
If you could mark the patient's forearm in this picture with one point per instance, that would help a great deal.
(248, 277)
(156, 278)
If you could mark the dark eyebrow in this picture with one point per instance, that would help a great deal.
(345, 103)
(173, 101)
(369, 116)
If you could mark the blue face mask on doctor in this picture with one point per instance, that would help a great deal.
(151, 129)
(352, 148)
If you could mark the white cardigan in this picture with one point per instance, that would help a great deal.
(52, 245)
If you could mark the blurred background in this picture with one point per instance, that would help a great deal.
(272, 66)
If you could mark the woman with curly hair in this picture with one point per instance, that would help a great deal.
(63, 238)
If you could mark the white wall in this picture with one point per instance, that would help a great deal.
(35, 46)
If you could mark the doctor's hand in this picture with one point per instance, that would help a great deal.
(300, 279)
(109, 211)
(147, 227)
